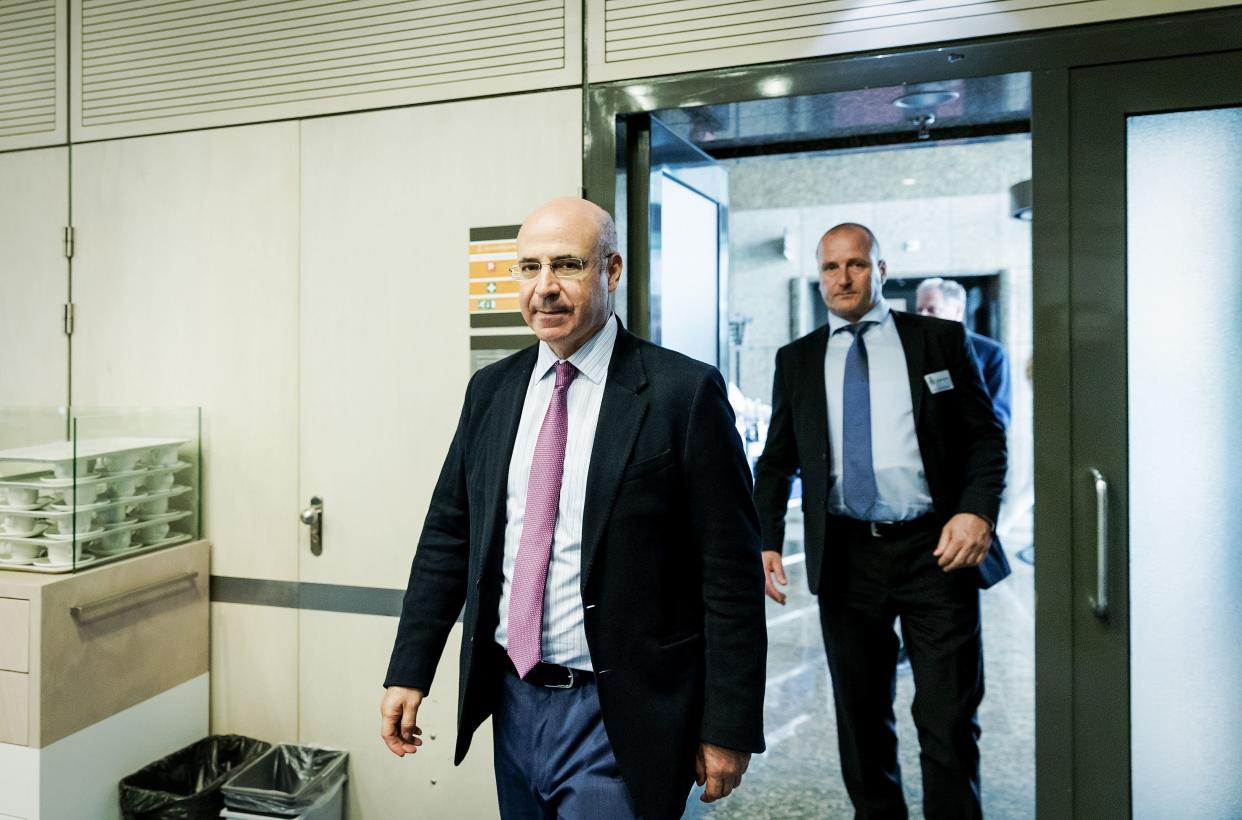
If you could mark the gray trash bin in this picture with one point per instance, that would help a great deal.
(302, 782)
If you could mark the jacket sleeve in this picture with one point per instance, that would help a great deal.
(438, 574)
(777, 466)
(734, 626)
(983, 439)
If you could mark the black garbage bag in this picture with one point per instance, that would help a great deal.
(285, 781)
(185, 785)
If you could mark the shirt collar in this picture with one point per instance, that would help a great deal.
(591, 359)
(879, 313)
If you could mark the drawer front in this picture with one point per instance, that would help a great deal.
(117, 635)
(14, 635)
(14, 708)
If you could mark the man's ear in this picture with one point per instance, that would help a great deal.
(883, 266)
(615, 265)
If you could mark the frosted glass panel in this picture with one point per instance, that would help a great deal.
(689, 268)
(1184, 213)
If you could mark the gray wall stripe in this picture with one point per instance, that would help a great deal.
(298, 595)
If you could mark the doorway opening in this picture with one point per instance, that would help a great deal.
(939, 172)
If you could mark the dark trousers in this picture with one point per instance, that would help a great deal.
(553, 758)
(869, 582)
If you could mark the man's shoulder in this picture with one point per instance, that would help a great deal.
(486, 378)
(804, 344)
(670, 366)
(986, 346)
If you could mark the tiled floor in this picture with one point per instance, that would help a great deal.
(799, 776)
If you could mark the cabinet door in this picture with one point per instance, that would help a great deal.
(186, 290)
(34, 278)
(387, 202)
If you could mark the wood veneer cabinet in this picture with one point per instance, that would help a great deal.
(85, 650)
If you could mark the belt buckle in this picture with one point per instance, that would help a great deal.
(875, 528)
(569, 685)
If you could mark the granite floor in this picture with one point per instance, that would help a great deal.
(799, 776)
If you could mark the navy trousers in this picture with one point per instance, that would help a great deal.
(553, 758)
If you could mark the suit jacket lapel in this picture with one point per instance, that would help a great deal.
(915, 347)
(498, 434)
(620, 416)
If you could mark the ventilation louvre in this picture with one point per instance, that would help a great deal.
(28, 71)
(652, 37)
(155, 65)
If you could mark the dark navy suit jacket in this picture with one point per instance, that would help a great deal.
(994, 368)
(672, 579)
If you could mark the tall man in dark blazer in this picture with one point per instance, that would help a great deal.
(594, 517)
(902, 462)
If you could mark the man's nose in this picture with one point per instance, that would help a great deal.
(546, 283)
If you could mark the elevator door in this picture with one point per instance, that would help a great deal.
(1156, 336)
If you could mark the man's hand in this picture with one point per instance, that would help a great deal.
(720, 768)
(773, 569)
(398, 713)
(964, 542)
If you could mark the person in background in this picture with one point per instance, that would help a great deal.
(946, 299)
(884, 417)
(593, 516)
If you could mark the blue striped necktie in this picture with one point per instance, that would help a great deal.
(858, 482)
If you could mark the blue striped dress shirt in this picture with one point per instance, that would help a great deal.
(564, 636)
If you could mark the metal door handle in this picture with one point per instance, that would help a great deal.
(312, 517)
(116, 604)
(1100, 602)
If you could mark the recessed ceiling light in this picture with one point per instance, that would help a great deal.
(909, 181)
(775, 87)
(926, 99)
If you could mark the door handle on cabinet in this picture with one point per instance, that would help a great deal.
(312, 517)
(1099, 603)
(116, 604)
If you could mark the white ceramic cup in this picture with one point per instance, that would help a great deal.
(20, 550)
(153, 532)
(116, 540)
(62, 552)
(120, 462)
(66, 469)
(110, 515)
(20, 496)
(17, 523)
(159, 481)
(79, 495)
(157, 506)
(124, 487)
(65, 523)
(162, 456)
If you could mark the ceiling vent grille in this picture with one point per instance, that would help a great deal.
(28, 75)
(171, 64)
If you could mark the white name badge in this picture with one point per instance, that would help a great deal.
(939, 381)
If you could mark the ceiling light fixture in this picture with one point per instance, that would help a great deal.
(925, 99)
(775, 86)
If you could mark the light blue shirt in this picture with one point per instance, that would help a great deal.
(564, 635)
(899, 479)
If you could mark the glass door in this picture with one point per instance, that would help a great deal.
(1156, 340)
(688, 218)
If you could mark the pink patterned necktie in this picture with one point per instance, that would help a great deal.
(543, 496)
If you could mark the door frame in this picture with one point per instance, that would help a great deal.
(614, 140)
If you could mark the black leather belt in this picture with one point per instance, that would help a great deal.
(887, 529)
(551, 676)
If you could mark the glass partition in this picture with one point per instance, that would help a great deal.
(86, 486)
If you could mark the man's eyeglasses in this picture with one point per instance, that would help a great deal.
(565, 267)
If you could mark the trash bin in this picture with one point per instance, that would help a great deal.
(289, 781)
(185, 785)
